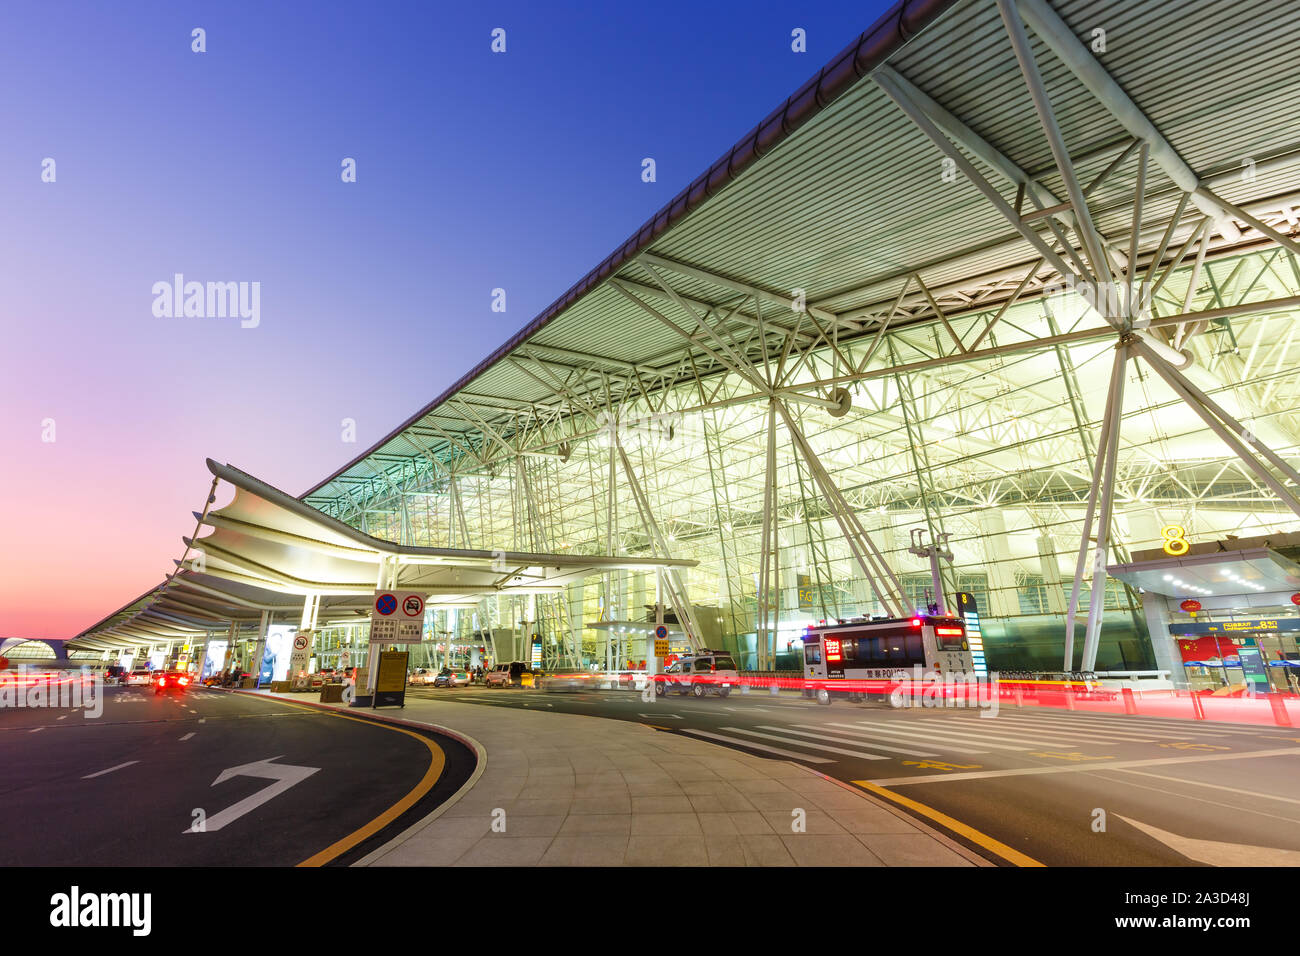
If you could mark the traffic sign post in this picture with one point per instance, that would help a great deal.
(298, 660)
(661, 642)
(397, 617)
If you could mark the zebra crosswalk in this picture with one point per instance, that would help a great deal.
(944, 734)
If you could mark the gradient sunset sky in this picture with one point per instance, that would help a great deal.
(474, 171)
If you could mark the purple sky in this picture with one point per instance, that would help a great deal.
(474, 171)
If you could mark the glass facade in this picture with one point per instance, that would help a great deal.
(997, 454)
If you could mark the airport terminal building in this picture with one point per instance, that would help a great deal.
(991, 283)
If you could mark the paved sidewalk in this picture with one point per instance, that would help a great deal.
(571, 790)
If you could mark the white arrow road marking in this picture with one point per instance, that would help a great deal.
(203, 720)
(64, 717)
(664, 716)
(284, 775)
(36, 731)
(109, 770)
(1216, 853)
(188, 736)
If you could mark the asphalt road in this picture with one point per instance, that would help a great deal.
(123, 789)
(1034, 785)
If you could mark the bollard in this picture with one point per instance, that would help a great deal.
(1198, 709)
(1280, 716)
(1069, 696)
(1130, 702)
(1020, 696)
(774, 689)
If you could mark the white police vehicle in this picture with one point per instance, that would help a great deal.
(700, 674)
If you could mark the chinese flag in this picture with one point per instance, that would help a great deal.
(1200, 649)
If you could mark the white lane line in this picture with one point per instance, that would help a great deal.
(203, 720)
(1113, 736)
(188, 736)
(1101, 734)
(661, 716)
(1179, 795)
(1010, 735)
(805, 758)
(36, 731)
(951, 740)
(65, 717)
(805, 743)
(1133, 725)
(1081, 767)
(851, 731)
(109, 770)
(1214, 786)
(829, 735)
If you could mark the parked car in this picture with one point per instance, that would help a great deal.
(139, 677)
(450, 678)
(509, 675)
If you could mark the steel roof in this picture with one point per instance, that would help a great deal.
(837, 192)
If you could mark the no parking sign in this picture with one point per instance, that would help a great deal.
(397, 617)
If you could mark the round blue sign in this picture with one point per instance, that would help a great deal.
(386, 604)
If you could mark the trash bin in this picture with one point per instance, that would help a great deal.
(331, 694)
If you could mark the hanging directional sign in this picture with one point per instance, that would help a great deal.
(397, 617)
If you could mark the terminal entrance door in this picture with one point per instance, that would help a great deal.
(1282, 659)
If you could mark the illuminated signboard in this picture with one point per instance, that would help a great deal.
(832, 648)
(1257, 625)
(969, 611)
(1175, 540)
(537, 650)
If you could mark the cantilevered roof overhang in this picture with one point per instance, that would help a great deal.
(1251, 570)
(267, 551)
(841, 192)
